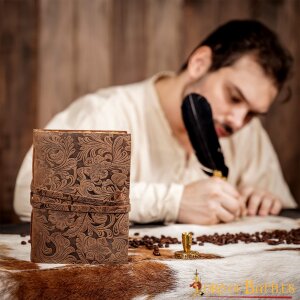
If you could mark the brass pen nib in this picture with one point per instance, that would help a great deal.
(187, 253)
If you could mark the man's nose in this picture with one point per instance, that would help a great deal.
(238, 117)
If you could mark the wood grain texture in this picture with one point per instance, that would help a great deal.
(164, 34)
(54, 51)
(233, 9)
(129, 46)
(200, 18)
(283, 122)
(18, 77)
(93, 43)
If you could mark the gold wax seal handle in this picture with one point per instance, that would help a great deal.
(187, 241)
(187, 253)
(217, 173)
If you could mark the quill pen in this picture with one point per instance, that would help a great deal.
(197, 117)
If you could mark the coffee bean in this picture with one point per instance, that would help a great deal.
(275, 237)
(272, 242)
(156, 252)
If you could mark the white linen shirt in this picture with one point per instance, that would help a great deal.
(159, 165)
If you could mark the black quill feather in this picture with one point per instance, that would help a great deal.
(197, 117)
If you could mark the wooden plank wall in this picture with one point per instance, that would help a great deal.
(54, 51)
(18, 92)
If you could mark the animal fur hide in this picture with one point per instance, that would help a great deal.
(147, 276)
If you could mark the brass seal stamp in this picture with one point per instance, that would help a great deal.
(187, 253)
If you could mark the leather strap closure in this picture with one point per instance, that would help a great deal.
(43, 202)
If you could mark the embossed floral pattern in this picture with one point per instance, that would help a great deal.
(61, 219)
(80, 196)
(93, 249)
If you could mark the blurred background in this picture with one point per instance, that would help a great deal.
(54, 51)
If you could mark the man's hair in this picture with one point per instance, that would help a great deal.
(236, 38)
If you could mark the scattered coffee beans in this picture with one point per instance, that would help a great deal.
(275, 237)
(150, 242)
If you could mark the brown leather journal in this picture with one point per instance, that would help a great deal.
(80, 196)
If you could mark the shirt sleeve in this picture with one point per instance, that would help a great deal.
(87, 113)
(152, 202)
(149, 201)
(22, 205)
(261, 167)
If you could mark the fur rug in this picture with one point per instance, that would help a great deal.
(88, 282)
(252, 267)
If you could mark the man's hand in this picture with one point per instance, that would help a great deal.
(260, 202)
(210, 201)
